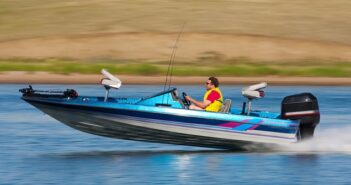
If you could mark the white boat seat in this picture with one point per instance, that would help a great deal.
(226, 106)
(110, 81)
(254, 91)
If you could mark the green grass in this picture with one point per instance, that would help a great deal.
(232, 67)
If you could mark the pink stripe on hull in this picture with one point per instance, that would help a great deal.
(233, 124)
(255, 126)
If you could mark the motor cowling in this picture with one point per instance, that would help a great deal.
(303, 107)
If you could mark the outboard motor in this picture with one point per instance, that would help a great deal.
(303, 107)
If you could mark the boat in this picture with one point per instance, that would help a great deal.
(164, 117)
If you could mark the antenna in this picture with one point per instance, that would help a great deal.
(171, 62)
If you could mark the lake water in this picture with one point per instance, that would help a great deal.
(36, 149)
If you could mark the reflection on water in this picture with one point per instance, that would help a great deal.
(35, 149)
(135, 153)
(183, 164)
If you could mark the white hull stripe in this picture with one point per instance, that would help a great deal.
(90, 124)
(205, 127)
(209, 133)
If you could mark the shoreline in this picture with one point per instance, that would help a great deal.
(49, 78)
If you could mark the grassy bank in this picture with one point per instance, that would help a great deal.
(201, 67)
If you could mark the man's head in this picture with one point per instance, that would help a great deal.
(212, 83)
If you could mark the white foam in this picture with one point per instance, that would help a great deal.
(331, 140)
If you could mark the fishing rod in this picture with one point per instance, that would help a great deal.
(171, 63)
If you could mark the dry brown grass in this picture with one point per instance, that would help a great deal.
(144, 29)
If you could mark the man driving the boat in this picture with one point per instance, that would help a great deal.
(212, 100)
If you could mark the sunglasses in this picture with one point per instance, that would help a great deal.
(208, 83)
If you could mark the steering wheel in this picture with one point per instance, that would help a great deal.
(186, 102)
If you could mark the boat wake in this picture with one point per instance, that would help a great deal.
(331, 140)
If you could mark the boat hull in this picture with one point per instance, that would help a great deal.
(117, 124)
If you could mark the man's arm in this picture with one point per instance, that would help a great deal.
(201, 104)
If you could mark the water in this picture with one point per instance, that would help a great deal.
(36, 149)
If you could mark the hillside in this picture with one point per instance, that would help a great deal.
(271, 32)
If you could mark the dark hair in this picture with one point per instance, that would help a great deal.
(214, 81)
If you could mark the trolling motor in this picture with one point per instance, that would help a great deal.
(252, 92)
(27, 91)
(68, 93)
(109, 82)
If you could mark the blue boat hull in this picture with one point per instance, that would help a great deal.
(168, 125)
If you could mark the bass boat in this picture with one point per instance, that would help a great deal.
(164, 117)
